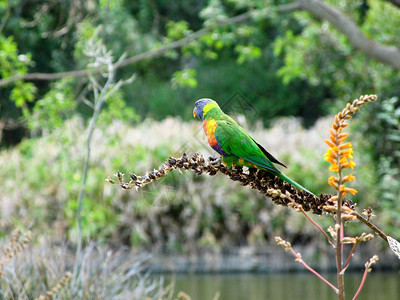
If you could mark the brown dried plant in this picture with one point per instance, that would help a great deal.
(57, 288)
(17, 243)
(265, 183)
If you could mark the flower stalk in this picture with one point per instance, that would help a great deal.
(339, 154)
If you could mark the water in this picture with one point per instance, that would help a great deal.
(378, 286)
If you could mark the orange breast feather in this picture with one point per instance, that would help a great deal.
(209, 127)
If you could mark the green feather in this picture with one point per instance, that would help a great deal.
(238, 144)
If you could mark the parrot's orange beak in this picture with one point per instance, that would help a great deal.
(194, 112)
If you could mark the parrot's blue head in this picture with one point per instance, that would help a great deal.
(202, 106)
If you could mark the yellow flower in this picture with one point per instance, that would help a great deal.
(345, 145)
(348, 153)
(346, 190)
(332, 181)
(351, 165)
(349, 177)
(343, 161)
(329, 143)
(334, 167)
(351, 191)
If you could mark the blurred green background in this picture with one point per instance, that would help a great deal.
(283, 75)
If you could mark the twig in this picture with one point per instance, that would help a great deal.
(99, 100)
(364, 237)
(288, 247)
(368, 269)
(370, 225)
(350, 255)
(312, 221)
(387, 54)
(6, 16)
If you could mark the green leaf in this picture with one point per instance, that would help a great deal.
(184, 78)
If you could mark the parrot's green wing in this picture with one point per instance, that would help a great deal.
(269, 155)
(235, 141)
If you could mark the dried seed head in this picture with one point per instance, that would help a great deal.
(372, 261)
(348, 240)
(280, 192)
(332, 232)
(365, 237)
(281, 242)
(368, 213)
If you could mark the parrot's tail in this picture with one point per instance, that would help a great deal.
(292, 182)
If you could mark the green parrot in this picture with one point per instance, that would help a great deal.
(233, 143)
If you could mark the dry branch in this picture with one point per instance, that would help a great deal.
(279, 191)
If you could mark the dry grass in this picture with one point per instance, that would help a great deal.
(44, 272)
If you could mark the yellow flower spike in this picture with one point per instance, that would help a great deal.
(339, 153)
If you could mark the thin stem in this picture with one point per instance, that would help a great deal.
(299, 259)
(370, 225)
(361, 284)
(339, 234)
(6, 16)
(99, 103)
(350, 255)
(312, 221)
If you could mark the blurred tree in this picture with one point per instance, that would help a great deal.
(287, 58)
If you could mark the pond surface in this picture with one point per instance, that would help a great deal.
(285, 286)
